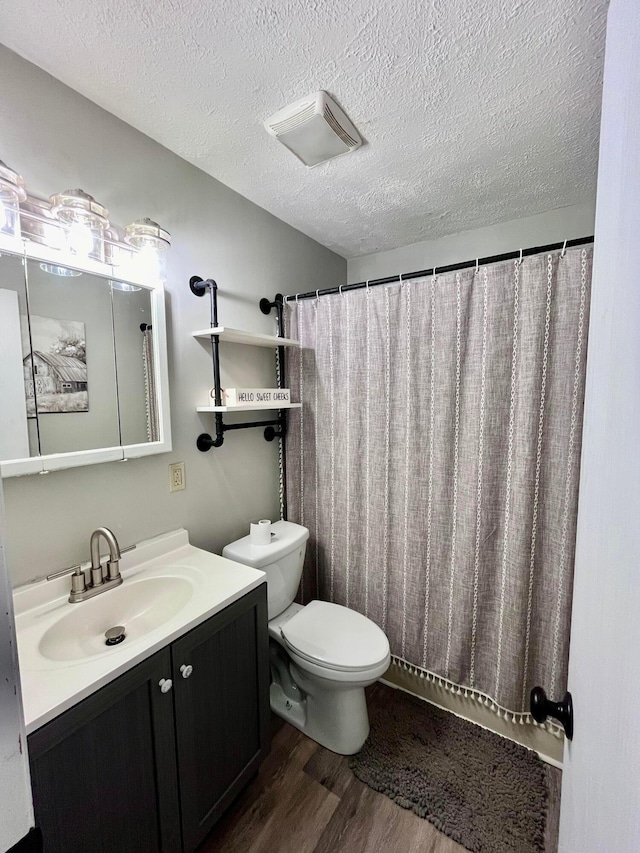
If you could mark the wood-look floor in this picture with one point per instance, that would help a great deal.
(306, 800)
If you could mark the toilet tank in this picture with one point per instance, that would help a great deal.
(281, 560)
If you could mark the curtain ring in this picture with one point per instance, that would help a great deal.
(520, 259)
(317, 297)
(564, 249)
(477, 266)
(297, 295)
(434, 273)
(367, 285)
(340, 289)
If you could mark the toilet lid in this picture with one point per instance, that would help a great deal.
(335, 637)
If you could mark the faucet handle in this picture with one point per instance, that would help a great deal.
(78, 581)
(113, 570)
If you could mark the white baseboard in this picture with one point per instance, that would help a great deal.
(547, 745)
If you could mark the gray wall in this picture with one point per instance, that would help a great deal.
(566, 223)
(60, 140)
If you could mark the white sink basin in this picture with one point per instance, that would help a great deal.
(139, 606)
(169, 587)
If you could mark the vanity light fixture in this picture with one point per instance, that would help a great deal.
(39, 224)
(116, 252)
(12, 192)
(147, 234)
(85, 219)
(151, 241)
(75, 225)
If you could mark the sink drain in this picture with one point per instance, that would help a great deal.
(114, 635)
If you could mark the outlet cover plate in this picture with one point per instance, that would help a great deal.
(176, 477)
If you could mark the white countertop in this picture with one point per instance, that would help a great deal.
(50, 687)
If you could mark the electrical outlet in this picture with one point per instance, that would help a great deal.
(176, 477)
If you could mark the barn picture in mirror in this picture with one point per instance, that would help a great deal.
(74, 360)
(55, 372)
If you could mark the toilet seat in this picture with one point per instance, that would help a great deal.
(336, 638)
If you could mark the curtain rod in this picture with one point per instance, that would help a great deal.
(493, 259)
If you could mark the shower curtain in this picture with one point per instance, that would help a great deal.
(435, 461)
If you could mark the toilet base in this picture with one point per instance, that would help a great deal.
(335, 718)
(294, 712)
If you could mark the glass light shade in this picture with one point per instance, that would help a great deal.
(12, 192)
(151, 241)
(85, 220)
(81, 239)
(38, 223)
(116, 251)
(147, 234)
(124, 286)
(56, 269)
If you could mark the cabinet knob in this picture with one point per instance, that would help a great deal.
(186, 669)
(165, 685)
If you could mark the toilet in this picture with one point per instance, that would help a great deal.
(322, 655)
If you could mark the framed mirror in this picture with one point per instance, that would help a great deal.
(83, 364)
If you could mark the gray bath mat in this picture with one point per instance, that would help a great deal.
(481, 790)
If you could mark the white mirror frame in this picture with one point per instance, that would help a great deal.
(58, 461)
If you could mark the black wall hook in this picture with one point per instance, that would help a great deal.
(541, 708)
(272, 432)
(199, 286)
(266, 305)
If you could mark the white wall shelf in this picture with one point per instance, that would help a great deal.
(238, 336)
(275, 426)
(248, 408)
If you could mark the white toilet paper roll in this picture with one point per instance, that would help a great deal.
(260, 532)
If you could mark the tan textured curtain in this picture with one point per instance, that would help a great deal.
(435, 462)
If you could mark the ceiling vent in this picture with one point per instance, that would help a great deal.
(315, 129)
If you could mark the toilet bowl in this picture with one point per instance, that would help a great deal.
(323, 655)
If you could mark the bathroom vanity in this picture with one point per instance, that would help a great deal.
(170, 729)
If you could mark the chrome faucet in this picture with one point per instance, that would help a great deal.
(83, 587)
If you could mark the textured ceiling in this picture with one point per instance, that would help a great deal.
(473, 111)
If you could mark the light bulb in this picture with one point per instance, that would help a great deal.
(149, 263)
(80, 238)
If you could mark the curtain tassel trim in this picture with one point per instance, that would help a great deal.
(476, 696)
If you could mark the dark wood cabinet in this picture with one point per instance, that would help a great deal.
(222, 720)
(134, 769)
(104, 773)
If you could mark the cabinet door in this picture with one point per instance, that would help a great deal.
(222, 710)
(104, 772)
